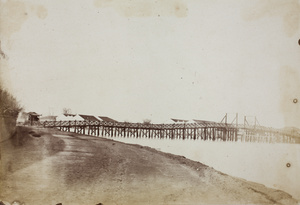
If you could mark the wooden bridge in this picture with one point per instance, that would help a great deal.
(200, 130)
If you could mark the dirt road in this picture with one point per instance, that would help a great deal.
(51, 167)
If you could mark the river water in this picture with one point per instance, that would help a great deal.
(274, 165)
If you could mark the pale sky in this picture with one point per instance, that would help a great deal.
(144, 59)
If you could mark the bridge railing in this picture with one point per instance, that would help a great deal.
(133, 125)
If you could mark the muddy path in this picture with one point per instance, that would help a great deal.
(48, 167)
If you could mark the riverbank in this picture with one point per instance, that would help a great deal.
(264, 163)
(49, 167)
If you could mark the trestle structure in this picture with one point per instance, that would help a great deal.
(200, 130)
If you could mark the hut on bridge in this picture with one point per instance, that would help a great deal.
(69, 117)
(179, 120)
(89, 117)
(106, 119)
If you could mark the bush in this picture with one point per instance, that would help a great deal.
(147, 121)
(9, 106)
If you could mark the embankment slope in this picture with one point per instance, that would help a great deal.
(50, 167)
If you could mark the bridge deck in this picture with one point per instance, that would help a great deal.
(204, 130)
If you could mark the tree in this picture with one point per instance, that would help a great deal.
(9, 106)
(147, 121)
(67, 111)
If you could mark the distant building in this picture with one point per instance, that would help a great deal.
(107, 119)
(69, 117)
(33, 117)
(77, 117)
(22, 118)
(179, 120)
(89, 117)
